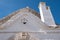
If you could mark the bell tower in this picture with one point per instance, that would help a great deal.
(46, 15)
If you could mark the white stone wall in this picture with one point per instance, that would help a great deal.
(46, 15)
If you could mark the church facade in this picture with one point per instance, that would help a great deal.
(27, 24)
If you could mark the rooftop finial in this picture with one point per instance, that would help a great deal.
(27, 7)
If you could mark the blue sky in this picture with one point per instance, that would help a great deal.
(9, 6)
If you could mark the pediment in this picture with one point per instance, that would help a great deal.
(23, 21)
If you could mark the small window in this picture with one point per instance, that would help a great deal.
(24, 21)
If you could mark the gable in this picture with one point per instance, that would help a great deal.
(3, 20)
(16, 23)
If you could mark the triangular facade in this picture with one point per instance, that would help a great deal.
(23, 20)
(26, 24)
